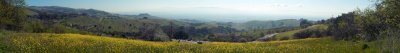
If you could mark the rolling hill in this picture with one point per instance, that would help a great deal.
(144, 26)
(256, 25)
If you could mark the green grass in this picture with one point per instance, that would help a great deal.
(290, 34)
(76, 43)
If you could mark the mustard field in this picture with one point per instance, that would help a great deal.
(77, 43)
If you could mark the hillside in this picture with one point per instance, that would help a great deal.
(77, 26)
(288, 35)
(55, 19)
(48, 42)
(256, 25)
(91, 21)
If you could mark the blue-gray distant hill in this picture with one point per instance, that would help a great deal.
(256, 25)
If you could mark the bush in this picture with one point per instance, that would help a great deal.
(315, 31)
(58, 28)
(34, 26)
(389, 41)
(285, 38)
(161, 38)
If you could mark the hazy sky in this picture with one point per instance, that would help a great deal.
(227, 10)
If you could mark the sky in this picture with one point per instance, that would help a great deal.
(218, 10)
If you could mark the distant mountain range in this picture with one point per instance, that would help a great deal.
(142, 26)
(65, 13)
(254, 25)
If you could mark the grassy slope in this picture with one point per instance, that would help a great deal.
(290, 34)
(118, 24)
(56, 43)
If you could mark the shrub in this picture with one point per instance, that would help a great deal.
(313, 31)
(58, 28)
(284, 38)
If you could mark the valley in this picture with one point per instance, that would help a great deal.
(206, 26)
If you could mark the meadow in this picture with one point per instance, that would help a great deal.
(77, 43)
(288, 35)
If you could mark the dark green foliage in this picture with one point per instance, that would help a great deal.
(305, 23)
(181, 34)
(12, 14)
(151, 31)
(35, 26)
(389, 41)
(384, 17)
(365, 46)
(381, 24)
(221, 37)
(284, 38)
(14, 17)
(58, 28)
(57, 13)
(310, 34)
(315, 31)
(344, 27)
(304, 34)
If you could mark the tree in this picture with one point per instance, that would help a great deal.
(382, 23)
(12, 14)
(344, 27)
(384, 17)
(389, 12)
(304, 23)
(170, 29)
(181, 34)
